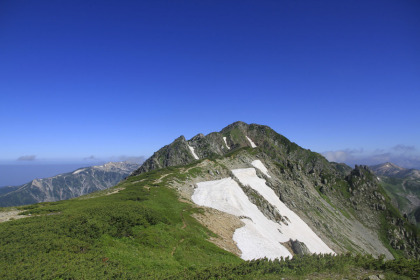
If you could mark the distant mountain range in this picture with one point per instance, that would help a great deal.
(403, 186)
(68, 185)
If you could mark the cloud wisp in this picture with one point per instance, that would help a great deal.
(26, 158)
(133, 159)
(402, 155)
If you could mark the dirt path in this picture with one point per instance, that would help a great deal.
(115, 191)
(174, 249)
(135, 182)
(184, 225)
(161, 178)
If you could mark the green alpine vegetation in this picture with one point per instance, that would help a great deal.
(141, 231)
(403, 187)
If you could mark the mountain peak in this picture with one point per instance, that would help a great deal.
(233, 137)
(386, 169)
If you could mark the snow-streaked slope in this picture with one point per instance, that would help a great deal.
(79, 170)
(259, 237)
(193, 152)
(296, 228)
(251, 142)
(224, 139)
(258, 164)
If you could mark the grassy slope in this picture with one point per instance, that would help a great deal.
(393, 187)
(136, 232)
(143, 231)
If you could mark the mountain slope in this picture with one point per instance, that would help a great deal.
(4, 190)
(403, 186)
(347, 208)
(68, 185)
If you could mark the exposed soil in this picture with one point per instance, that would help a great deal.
(222, 224)
(115, 191)
(11, 215)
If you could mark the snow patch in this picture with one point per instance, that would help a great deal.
(258, 164)
(193, 152)
(224, 138)
(79, 170)
(296, 228)
(252, 143)
(259, 237)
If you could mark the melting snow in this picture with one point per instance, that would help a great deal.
(258, 164)
(260, 237)
(193, 153)
(224, 138)
(296, 228)
(252, 143)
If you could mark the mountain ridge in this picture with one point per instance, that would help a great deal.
(67, 185)
(342, 194)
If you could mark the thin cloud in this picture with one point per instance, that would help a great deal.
(342, 155)
(92, 157)
(27, 158)
(133, 159)
(402, 155)
(404, 148)
(337, 156)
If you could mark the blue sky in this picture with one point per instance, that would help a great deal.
(114, 79)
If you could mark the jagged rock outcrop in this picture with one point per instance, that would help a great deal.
(233, 137)
(68, 185)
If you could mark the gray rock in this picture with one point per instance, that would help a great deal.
(299, 248)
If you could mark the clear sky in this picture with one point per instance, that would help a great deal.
(115, 79)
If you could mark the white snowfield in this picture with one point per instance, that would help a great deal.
(252, 143)
(260, 237)
(193, 152)
(224, 138)
(296, 227)
(258, 164)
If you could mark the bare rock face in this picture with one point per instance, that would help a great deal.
(230, 139)
(69, 185)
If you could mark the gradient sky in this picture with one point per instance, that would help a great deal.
(106, 79)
